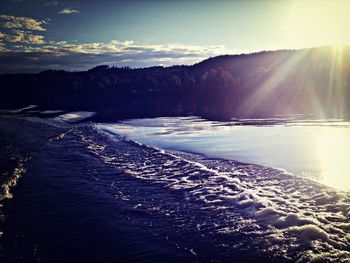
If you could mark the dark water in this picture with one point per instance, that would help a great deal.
(84, 195)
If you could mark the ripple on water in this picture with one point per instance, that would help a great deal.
(239, 206)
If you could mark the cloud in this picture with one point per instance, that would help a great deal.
(18, 36)
(51, 3)
(17, 22)
(67, 11)
(23, 37)
(119, 48)
(68, 56)
(20, 30)
(2, 47)
(35, 39)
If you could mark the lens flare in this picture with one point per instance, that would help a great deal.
(334, 152)
(317, 23)
(312, 80)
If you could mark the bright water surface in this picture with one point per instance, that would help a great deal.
(316, 149)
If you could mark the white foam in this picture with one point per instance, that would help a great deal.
(312, 232)
(20, 109)
(278, 206)
(76, 116)
(51, 111)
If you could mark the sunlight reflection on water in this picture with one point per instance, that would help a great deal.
(318, 150)
(334, 157)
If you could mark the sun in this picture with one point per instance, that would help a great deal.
(317, 23)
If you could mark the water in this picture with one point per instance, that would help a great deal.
(313, 149)
(89, 193)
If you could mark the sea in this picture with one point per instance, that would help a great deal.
(173, 189)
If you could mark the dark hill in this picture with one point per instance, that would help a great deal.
(310, 81)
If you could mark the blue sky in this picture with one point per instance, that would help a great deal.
(74, 35)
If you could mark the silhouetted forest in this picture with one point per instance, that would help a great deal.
(310, 81)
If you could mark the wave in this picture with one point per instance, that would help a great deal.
(12, 160)
(12, 167)
(215, 209)
(237, 206)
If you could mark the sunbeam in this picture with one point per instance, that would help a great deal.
(302, 75)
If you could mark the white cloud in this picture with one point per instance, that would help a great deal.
(35, 39)
(2, 47)
(20, 36)
(26, 56)
(17, 22)
(67, 11)
(20, 30)
(129, 47)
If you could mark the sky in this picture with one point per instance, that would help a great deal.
(77, 35)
